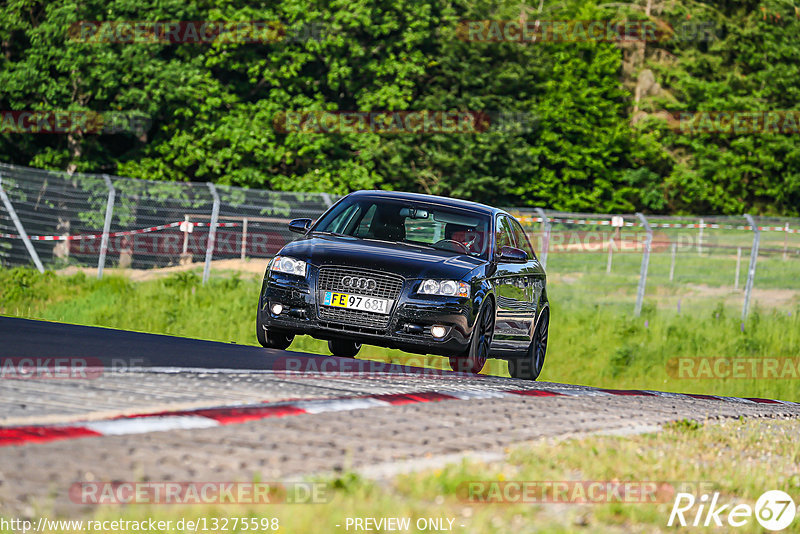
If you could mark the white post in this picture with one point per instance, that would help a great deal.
(101, 262)
(738, 266)
(212, 231)
(185, 235)
(672, 264)
(244, 237)
(751, 271)
(22, 233)
(700, 238)
(785, 240)
(610, 254)
(645, 265)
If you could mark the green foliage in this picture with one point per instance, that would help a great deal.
(183, 280)
(684, 425)
(213, 106)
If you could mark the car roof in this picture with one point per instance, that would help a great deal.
(431, 199)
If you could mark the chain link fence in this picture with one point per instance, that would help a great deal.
(95, 220)
(643, 262)
(682, 263)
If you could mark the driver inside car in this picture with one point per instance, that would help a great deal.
(466, 235)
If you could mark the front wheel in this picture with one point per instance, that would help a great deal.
(478, 352)
(344, 348)
(530, 366)
(272, 339)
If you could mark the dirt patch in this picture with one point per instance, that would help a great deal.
(771, 297)
(251, 267)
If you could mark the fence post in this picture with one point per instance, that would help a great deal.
(20, 228)
(738, 266)
(101, 262)
(326, 198)
(610, 254)
(212, 231)
(751, 271)
(785, 240)
(185, 227)
(700, 238)
(244, 238)
(645, 264)
(545, 236)
(672, 263)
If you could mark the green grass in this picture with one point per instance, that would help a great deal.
(740, 460)
(594, 339)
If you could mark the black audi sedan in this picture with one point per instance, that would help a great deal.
(421, 273)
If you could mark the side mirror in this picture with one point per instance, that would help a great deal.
(299, 226)
(513, 255)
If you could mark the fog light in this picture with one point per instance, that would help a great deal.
(438, 331)
(277, 308)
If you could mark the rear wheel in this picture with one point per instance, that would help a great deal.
(272, 339)
(478, 352)
(530, 366)
(344, 348)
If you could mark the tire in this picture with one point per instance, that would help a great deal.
(529, 367)
(480, 344)
(344, 348)
(272, 339)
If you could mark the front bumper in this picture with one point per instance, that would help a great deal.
(408, 327)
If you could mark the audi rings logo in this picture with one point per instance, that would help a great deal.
(354, 282)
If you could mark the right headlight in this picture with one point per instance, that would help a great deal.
(446, 288)
(287, 265)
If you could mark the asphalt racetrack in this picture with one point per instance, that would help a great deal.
(110, 405)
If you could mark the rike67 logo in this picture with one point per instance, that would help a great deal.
(774, 510)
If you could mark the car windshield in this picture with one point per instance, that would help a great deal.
(417, 224)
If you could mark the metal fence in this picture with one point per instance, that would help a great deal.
(687, 262)
(98, 220)
(53, 219)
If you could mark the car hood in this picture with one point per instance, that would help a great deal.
(407, 261)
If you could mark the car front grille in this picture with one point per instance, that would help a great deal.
(387, 286)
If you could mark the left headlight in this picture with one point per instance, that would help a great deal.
(284, 264)
(447, 288)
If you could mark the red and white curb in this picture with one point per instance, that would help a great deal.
(228, 415)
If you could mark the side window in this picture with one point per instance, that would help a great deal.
(504, 236)
(365, 222)
(522, 239)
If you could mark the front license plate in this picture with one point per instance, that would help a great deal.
(357, 302)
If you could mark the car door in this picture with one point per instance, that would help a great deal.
(512, 321)
(533, 278)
